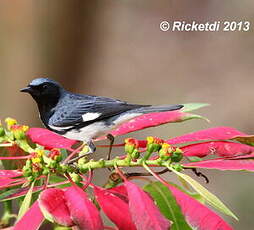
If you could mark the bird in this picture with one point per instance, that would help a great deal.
(83, 117)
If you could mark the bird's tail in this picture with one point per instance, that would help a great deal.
(138, 111)
(156, 109)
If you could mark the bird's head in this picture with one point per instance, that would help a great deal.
(44, 90)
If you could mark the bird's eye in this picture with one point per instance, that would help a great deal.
(45, 86)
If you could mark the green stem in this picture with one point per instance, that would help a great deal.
(7, 214)
(147, 156)
(120, 163)
(7, 206)
(25, 146)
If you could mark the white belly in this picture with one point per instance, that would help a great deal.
(89, 132)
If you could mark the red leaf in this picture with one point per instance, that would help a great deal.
(83, 212)
(115, 208)
(150, 120)
(217, 133)
(250, 156)
(53, 204)
(9, 182)
(5, 181)
(220, 148)
(15, 158)
(225, 164)
(121, 189)
(198, 215)
(12, 184)
(144, 212)
(32, 219)
(49, 139)
(10, 173)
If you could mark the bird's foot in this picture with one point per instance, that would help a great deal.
(90, 149)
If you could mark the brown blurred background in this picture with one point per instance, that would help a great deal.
(116, 49)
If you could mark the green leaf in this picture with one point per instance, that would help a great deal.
(57, 179)
(189, 116)
(195, 195)
(208, 196)
(193, 106)
(26, 202)
(184, 183)
(249, 140)
(167, 205)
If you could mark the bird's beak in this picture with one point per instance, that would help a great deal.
(27, 89)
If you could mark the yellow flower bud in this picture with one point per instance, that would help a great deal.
(150, 140)
(40, 152)
(10, 122)
(36, 160)
(25, 128)
(2, 132)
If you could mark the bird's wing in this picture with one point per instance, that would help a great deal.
(76, 110)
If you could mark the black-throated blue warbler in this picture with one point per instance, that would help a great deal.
(83, 117)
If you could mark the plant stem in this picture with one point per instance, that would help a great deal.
(120, 163)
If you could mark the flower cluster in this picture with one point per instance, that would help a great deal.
(42, 162)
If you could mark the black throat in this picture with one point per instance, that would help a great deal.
(46, 106)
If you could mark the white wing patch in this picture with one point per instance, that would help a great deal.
(90, 116)
(59, 128)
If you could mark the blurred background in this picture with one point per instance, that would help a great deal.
(116, 49)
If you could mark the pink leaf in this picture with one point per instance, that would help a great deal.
(12, 184)
(225, 164)
(219, 148)
(249, 156)
(217, 133)
(53, 204)
(121, 189)
(83, 212)
(49, 139)
(15, 158)
(32, 219)
(150, 120)
(10, 173)
(5, 181)
(198, 215)
(115, 208)
(9, 182)
(144, 212)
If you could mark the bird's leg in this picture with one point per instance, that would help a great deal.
(92, 149)
(111, 139)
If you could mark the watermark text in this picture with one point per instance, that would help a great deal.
(226, 26)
